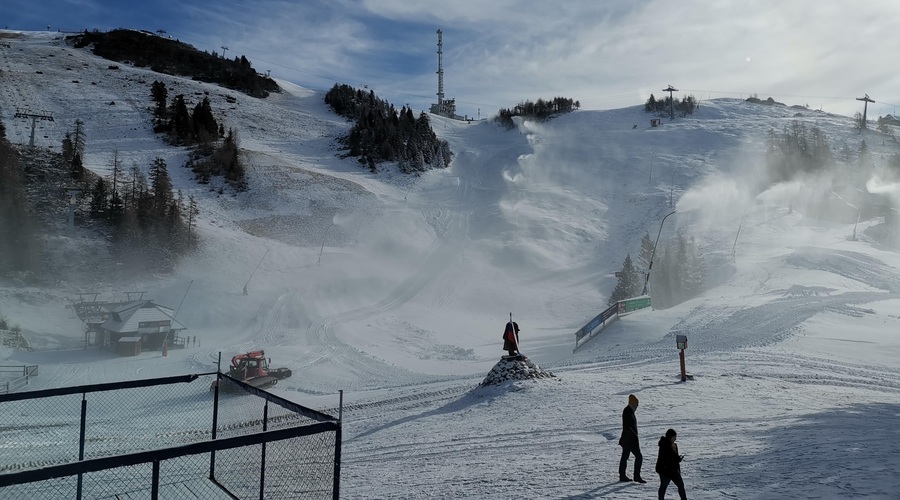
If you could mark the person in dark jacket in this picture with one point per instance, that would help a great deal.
(629, 442)
(668, 465)
(511, 338)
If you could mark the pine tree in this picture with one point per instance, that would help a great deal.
(160, 188)
(643, 260)
(80, 139)
(192, 211)
(695, 271)
(626, 282)
(181, 120)
(160, 95)
(99, 201)
(19, 243)
(68, 148)
(650, 105)
(203, 122)
(116, 207)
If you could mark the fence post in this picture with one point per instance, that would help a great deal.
(154, 487)
(262, 460)
(215, 422)
(81, 441)
(336, 488)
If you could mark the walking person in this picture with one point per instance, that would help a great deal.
(668, 465)
(629, 442)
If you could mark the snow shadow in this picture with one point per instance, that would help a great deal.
(848, 452)
(470, 398)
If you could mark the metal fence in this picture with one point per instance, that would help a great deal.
(610, 314)
(20, 375)
(174, 437)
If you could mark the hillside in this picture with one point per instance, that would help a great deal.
(163, 55)
(395, 290)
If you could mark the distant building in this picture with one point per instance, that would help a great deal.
(140, 319)
(445, 107)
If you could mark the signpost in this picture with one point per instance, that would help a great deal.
(681, 345)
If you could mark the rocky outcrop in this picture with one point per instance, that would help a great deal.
(510, 369)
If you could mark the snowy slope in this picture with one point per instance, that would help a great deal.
(395, 290)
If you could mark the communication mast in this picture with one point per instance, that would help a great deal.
(443, 107)
(440, 71)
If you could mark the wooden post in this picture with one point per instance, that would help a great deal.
(681, 345)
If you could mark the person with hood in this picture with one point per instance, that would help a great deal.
(511, 338)
(629, 442)
(668, 465)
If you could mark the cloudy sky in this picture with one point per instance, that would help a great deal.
(603, 53)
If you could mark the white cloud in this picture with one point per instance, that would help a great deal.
(603, 53)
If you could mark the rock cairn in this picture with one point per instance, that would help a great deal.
(514, 369)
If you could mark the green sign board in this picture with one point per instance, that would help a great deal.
(629, 305)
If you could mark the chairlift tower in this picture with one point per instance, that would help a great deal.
(43, 115)
(671, 101)
(866, 101)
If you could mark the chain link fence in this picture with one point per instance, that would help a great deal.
(174, 437)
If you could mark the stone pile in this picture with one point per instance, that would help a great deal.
(508, 369)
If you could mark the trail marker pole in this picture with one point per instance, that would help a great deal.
(681, 345)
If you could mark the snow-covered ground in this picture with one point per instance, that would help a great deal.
(395, 289)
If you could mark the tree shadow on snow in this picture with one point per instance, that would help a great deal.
(849, 452)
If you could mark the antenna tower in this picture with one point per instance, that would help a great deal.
(43, 115)
(440, 71)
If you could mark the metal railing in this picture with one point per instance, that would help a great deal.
(610, 314)
(173, 437)
(23, 374)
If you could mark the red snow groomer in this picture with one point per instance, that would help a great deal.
(253, 368)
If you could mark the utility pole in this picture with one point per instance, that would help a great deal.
(866, 101)
(43, 115)
(224, 48)
(671, 101)
(653, 253)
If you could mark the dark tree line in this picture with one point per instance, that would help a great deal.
(630, 281)
(197, 127)
(797, 150)
(176, 58)
(182, 125)
(678, 273)
(381, 133)
(20, 242)
(686, 106)
(540, 110)
(150, 226)
(221, 159)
